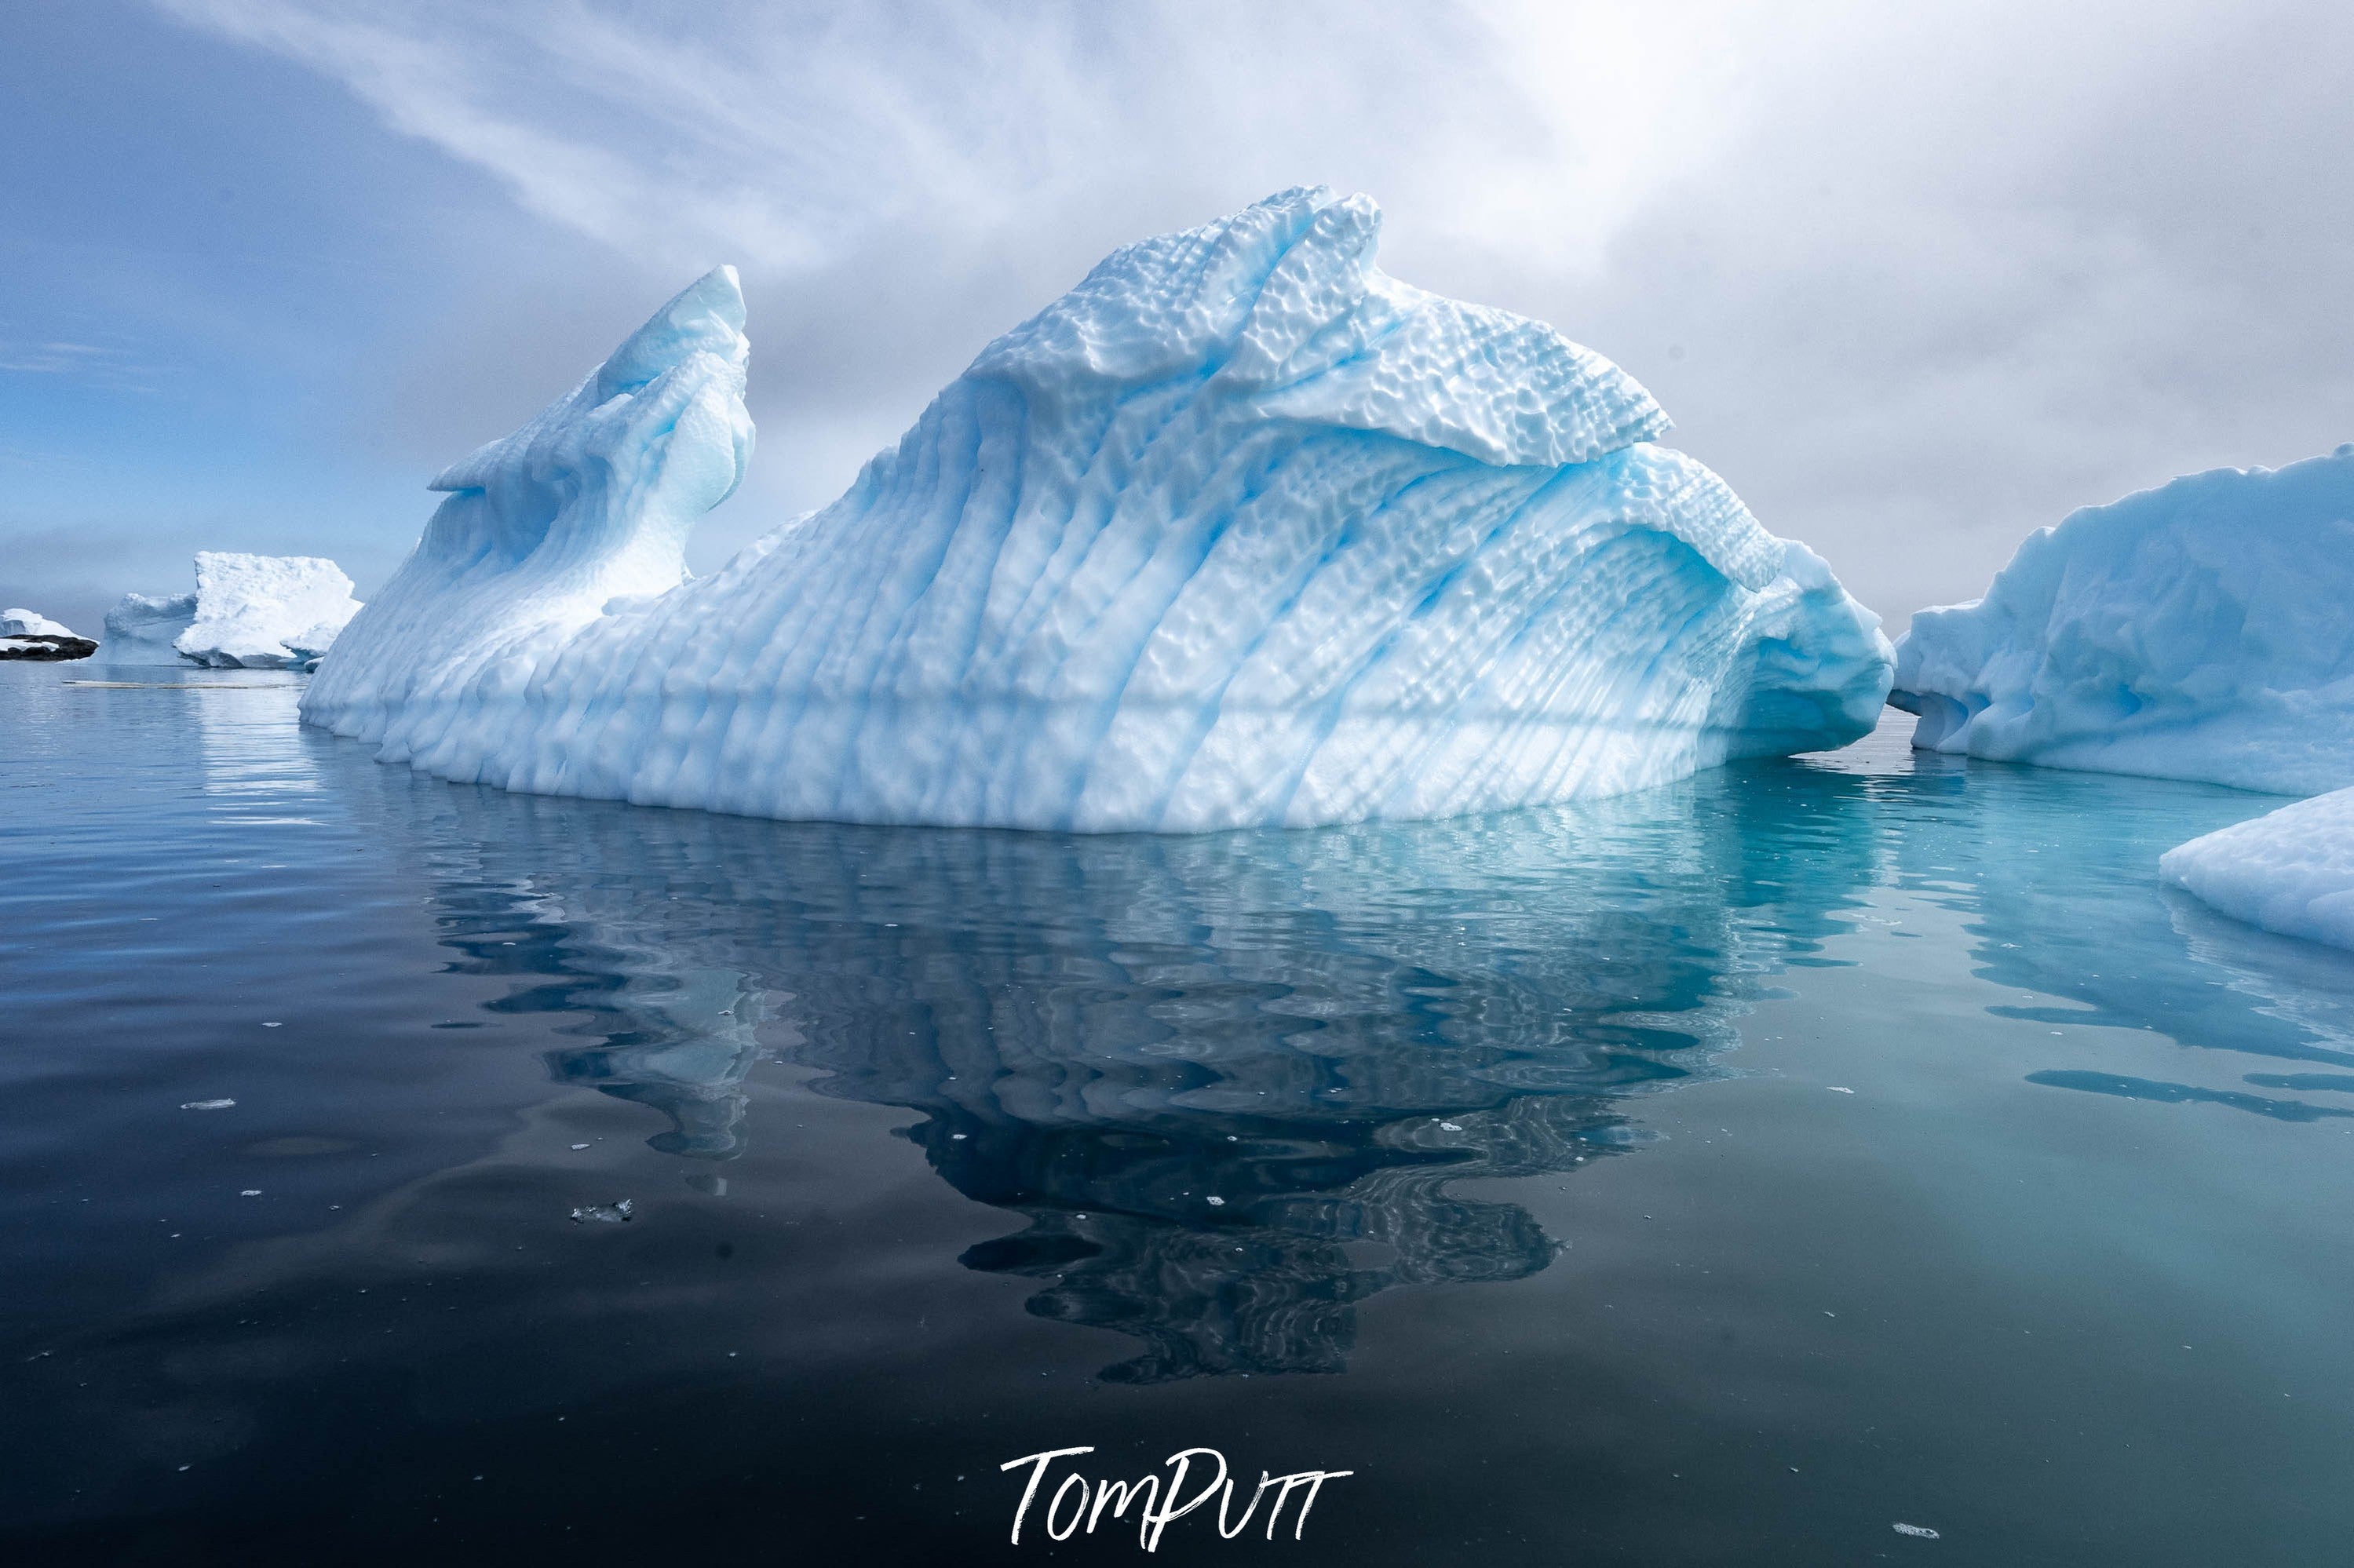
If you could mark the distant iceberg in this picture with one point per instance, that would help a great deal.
(2201, 631)
(252, 612)
(26, 634)
(2291, 871)
(145, 625)
(1240, 532)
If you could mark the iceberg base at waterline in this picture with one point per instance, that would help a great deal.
(2290, 872)
(2198, 631)
(1241, 531)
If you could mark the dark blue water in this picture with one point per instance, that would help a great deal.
(1729, 1173)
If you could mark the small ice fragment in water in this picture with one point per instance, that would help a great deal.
(611, 1214)
(957, 1137)
(206, 1105)
(250, 1192)
(272, 1026)
(580, 1145)
(1840, 1089)
(1449, 1126)
(1922, 1530)
(1217, 1203)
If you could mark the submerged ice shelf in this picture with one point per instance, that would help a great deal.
(1240, 532)
(2196, 630)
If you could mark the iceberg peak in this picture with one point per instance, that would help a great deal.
(1240, 532)
(1283, 309)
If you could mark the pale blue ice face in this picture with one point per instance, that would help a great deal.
(2196, 630)
(1240, 532)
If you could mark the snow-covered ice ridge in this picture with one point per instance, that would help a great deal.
(31, 623)
(1240, 532)
(2196, 630)
(2290, 872)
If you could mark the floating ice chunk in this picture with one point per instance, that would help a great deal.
(2196, 630)
(206, 1105)
(1922, 1530)
(2290, 872)
(1240, 532)
(611, 1214)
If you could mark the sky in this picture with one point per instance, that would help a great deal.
(1916, 278)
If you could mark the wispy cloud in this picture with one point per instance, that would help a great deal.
(785, 134)
(1916, 278)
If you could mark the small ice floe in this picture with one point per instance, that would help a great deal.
(206, 1105)
(579, 1147)
(611, 1214)
(270, 1025)
(1922, 1530)
(1450, 1127)
(1840, 1089)
(250, 1192)
(1217, 1203)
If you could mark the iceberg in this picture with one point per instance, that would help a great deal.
(2290, 872)
(27, 635)
(145, 626)
(252, 612)
(1240, 532)
(2196, 630)
(265, 612)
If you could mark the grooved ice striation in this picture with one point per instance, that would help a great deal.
(1240, 532)
(2196, 630)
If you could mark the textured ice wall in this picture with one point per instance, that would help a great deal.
(1240, 532)
(2201, 629)
(2291, 871)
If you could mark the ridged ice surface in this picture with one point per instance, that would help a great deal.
(2291, 871)
(1240, 532)
(2198, 631)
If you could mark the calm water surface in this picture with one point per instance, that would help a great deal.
(1728, 1173)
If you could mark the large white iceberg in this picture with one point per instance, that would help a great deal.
(2291, 871)
(253, 613)
(2201, 630)
(265, 612)
(1240, 532)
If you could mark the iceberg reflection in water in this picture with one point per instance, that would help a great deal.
(896, 1084)
(1230, 1080)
